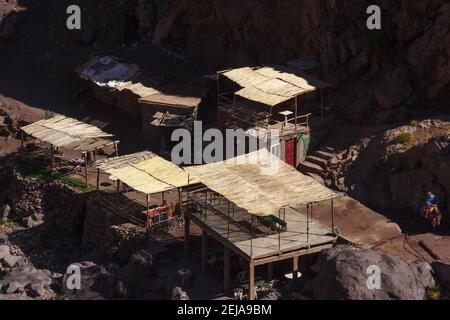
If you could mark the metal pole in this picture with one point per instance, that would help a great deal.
(86, 169)
(279, 232)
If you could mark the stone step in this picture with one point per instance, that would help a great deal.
(317, 177)
(308, 167)
(323, 154)
(328, 149)
(316, 160)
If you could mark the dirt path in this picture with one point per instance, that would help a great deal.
(364, 227)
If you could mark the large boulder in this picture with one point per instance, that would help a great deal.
(179, 294)
(96, 282)
(344, 272)
(29, 281)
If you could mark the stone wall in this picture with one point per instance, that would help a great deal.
(109, 234)
(93, 217)
(33, 202)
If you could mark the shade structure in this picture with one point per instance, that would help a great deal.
(261, 183)
(62, 131)
(272, 85)
(146, 172)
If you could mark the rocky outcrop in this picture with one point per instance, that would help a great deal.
(394, 90)
(386, 172)
(428, 55)
(342, 273)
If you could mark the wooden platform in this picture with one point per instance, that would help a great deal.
(235, 232)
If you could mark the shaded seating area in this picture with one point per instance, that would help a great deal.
(148, 174)
(269, 86)
(264, 99)
(280, 200)
(62, 134)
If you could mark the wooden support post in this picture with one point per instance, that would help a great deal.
(296, 114)
(51, 158)
(294, 271)
(332, 215)
(226, 269)
(116, 148)
(98, 179)
(251, 239)
(86, 169)
(228, 220)
(270, 271)
(251, 281)
(180, 201)
(162, 196)
(147, 223)
(187, 236)
(307, 222)
(118, 185)
(188, 187)
(204, 250)
(206, 202)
